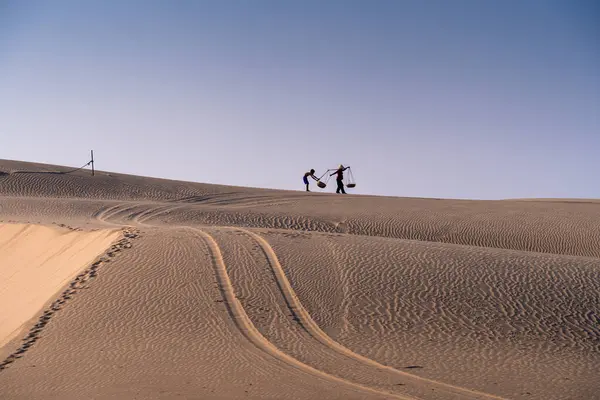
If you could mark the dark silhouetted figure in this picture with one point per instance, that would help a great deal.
(340, 178)
(311, 173)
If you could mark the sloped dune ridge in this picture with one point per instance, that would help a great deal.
(36, 262)
(221, 292)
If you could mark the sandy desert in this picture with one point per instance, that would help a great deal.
(124, 287)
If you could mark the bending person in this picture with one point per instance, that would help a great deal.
(311, 173)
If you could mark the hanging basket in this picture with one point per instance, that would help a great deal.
(322, 184)
(350, 182)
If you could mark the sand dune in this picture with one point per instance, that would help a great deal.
(36, 262)
(209, 291)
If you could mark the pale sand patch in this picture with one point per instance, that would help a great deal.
(35, 262)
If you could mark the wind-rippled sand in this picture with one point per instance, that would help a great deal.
(155, 289)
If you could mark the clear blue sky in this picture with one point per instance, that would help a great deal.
(457, 99)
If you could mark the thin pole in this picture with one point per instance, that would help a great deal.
(92, 152)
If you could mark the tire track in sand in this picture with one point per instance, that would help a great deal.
(249, 330)
(238, 313)
(105, 213)
(315, 331)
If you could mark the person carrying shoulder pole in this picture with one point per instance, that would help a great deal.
(340, 178)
